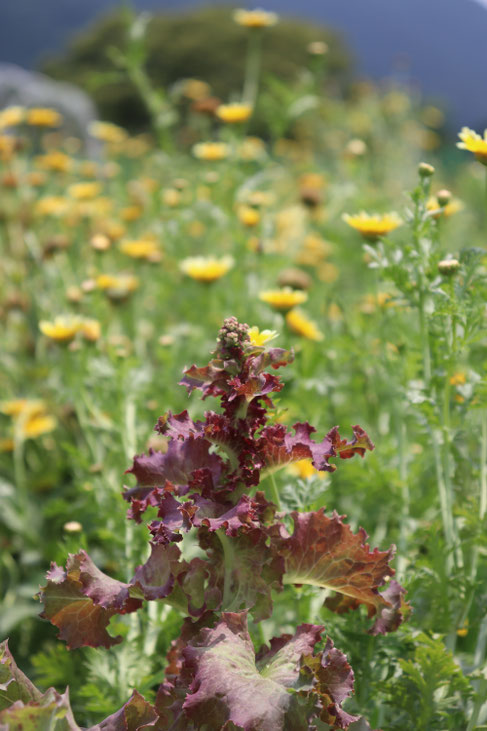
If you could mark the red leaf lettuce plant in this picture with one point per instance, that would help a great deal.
(206, 483)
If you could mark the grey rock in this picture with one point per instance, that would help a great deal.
(31, 89)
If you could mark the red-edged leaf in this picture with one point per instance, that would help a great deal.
(14, 685)
(333, 683)
(155, 578)
(135, 714)
(81, 601)
(228, 686)
(324, 552)
(344, 449)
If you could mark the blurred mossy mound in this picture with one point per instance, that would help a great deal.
(206, 44)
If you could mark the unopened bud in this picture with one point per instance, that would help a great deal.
(443, 197)
(448, 267)
(425, 170)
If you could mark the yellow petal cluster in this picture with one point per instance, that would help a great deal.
(299, 323)
(107, 132)
(11, 116)
(234, 113)
(84, 191)
(283, 299)
(373, 226)
(64, 328)
(43, 117)
(255, 18)
(304, 469)
(473, 142)
(206, 268)
(29, 419)
(261, 337)
(454, 206)
(211, 151)
(141, 249)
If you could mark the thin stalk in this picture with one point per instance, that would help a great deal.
(252, 67)
(228, 557)
(403, 477)
(274, 492)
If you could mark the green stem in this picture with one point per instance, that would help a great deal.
(228, 557)
(252, 67)
(402, 444)
(424, 340)
(274, 492)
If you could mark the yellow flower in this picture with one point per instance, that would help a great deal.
(51, 205)
(211, 151)
(234, 113)
(283, 299)
(90, 329)
(141, 249)
(206, 268)
(436, 210)
(30, 419)
(171, 197)
(248, 216)
(373, 226)
(62, 329)
(261, 337)
(304, 469)
(117, 286)
(22, 407)
(8, 146)
(84, 191)
(38, 425)
(300, 324)
(55, 160)
(458, 379)
(255, 18)
(107, 132)
(473, 142)
(43, 117)
(11, 116)
(131, 213)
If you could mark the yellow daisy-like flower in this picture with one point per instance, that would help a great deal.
(261, 337)
(458, 379)
(373, 226)
(206, 268)
(11, 116)
(234, 113)
(51, 205)
(211, 151)
(62, 329)
(37, 425)
(255, 18)
(22, 407)
(141, 249)
(304, 469)
(43, 117)
(117, 286)
(249, 216)
(454, 206)
(84, 191)
(300, 324)
(90, 329)
(473, 142)
(55, 160)
(283, 299)
(107, 132)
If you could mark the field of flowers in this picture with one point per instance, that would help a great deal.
(331, 275)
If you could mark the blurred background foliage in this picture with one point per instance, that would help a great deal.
(206, 44)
